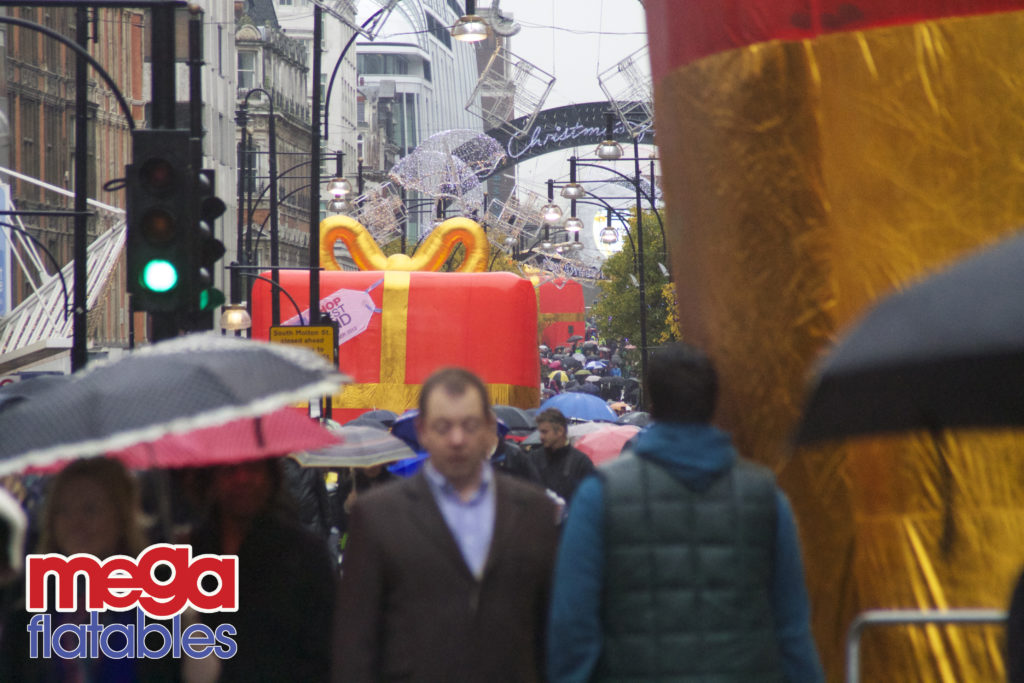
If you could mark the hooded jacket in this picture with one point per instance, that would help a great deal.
(696, 455)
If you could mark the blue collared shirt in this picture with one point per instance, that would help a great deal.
(472, 521)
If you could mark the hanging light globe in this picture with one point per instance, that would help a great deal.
(551, 212)
(509, 241)
(577, 245)
(337, 206)
(573, 191)
(235, 317)
(339, 188)
(609, 235)
(573, 224)
(608, 150)
(470, 28)
(545, 246)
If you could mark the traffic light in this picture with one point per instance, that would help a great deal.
(206, 248)
(159, 183)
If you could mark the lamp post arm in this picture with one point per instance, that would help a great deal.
(632, 181)
(83, 54)
(298, 311)
(273, 179)
(337, 65)
(56, 266)
(603, 204)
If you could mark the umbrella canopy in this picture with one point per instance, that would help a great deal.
(946, 352)
(516, 419)
(560, 376)
(385, 417)
(283, 431)
(596, 365)
(606, 443)
(172, 387)
(359, 447)
(576, 430)
(575, 337)
(363, 421)
(580, 406)
(638, 418)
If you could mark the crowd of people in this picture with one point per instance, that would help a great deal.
(678, 561)
(591, 365)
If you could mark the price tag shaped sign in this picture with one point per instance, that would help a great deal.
(351, 309)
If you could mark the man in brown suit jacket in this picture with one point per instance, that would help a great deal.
(446, 575)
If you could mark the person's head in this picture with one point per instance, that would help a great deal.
(681, 384)
(245, 490)
(455, 424)
(92, 507)
(553, 428)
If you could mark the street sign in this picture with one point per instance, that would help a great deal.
(322, 339)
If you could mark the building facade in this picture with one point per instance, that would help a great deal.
(37, 97)
(271, 62)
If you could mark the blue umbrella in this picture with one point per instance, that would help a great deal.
(580, 406)
(405, 429)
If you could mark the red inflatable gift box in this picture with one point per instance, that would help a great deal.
(398, 325)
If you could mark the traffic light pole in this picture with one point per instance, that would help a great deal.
(163, 325)
(80, 310)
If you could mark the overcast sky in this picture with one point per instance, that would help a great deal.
(573, 40)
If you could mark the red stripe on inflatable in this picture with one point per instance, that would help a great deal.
(681, 31)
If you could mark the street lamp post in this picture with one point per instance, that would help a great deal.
(610, 151)
(272, 151)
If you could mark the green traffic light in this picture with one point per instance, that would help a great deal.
(159, 276)
(210, 298)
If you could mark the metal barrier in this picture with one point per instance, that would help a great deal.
(899, 617)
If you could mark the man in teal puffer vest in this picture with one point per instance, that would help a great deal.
(680, 561)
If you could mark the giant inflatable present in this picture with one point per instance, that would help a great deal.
(818, 154)
(399, 321)
(560, 304)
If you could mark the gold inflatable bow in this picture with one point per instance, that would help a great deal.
(430, 255)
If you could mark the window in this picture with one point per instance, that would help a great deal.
(438, 30)
(426, 71)
(246, 70)
(382, 64)
(220, 50)
(361, 111)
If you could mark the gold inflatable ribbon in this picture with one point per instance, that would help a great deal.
(439, 245)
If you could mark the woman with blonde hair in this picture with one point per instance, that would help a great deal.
(92, 506)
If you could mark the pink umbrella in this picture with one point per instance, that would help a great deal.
(279, 433)
(604, 444)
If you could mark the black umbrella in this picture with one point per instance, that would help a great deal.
(364, 421)
(385, 417)
(176, 386)
(946, 352)
(516, 419)
(638, 418)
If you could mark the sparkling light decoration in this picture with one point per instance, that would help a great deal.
(437, 174)
(515, 92)
(519, 216)
(381, 211)
(629, 90)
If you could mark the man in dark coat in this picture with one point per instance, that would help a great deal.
(447, 573)
(506, 456)
(561, 466)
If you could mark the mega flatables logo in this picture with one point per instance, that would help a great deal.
(205, 583)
